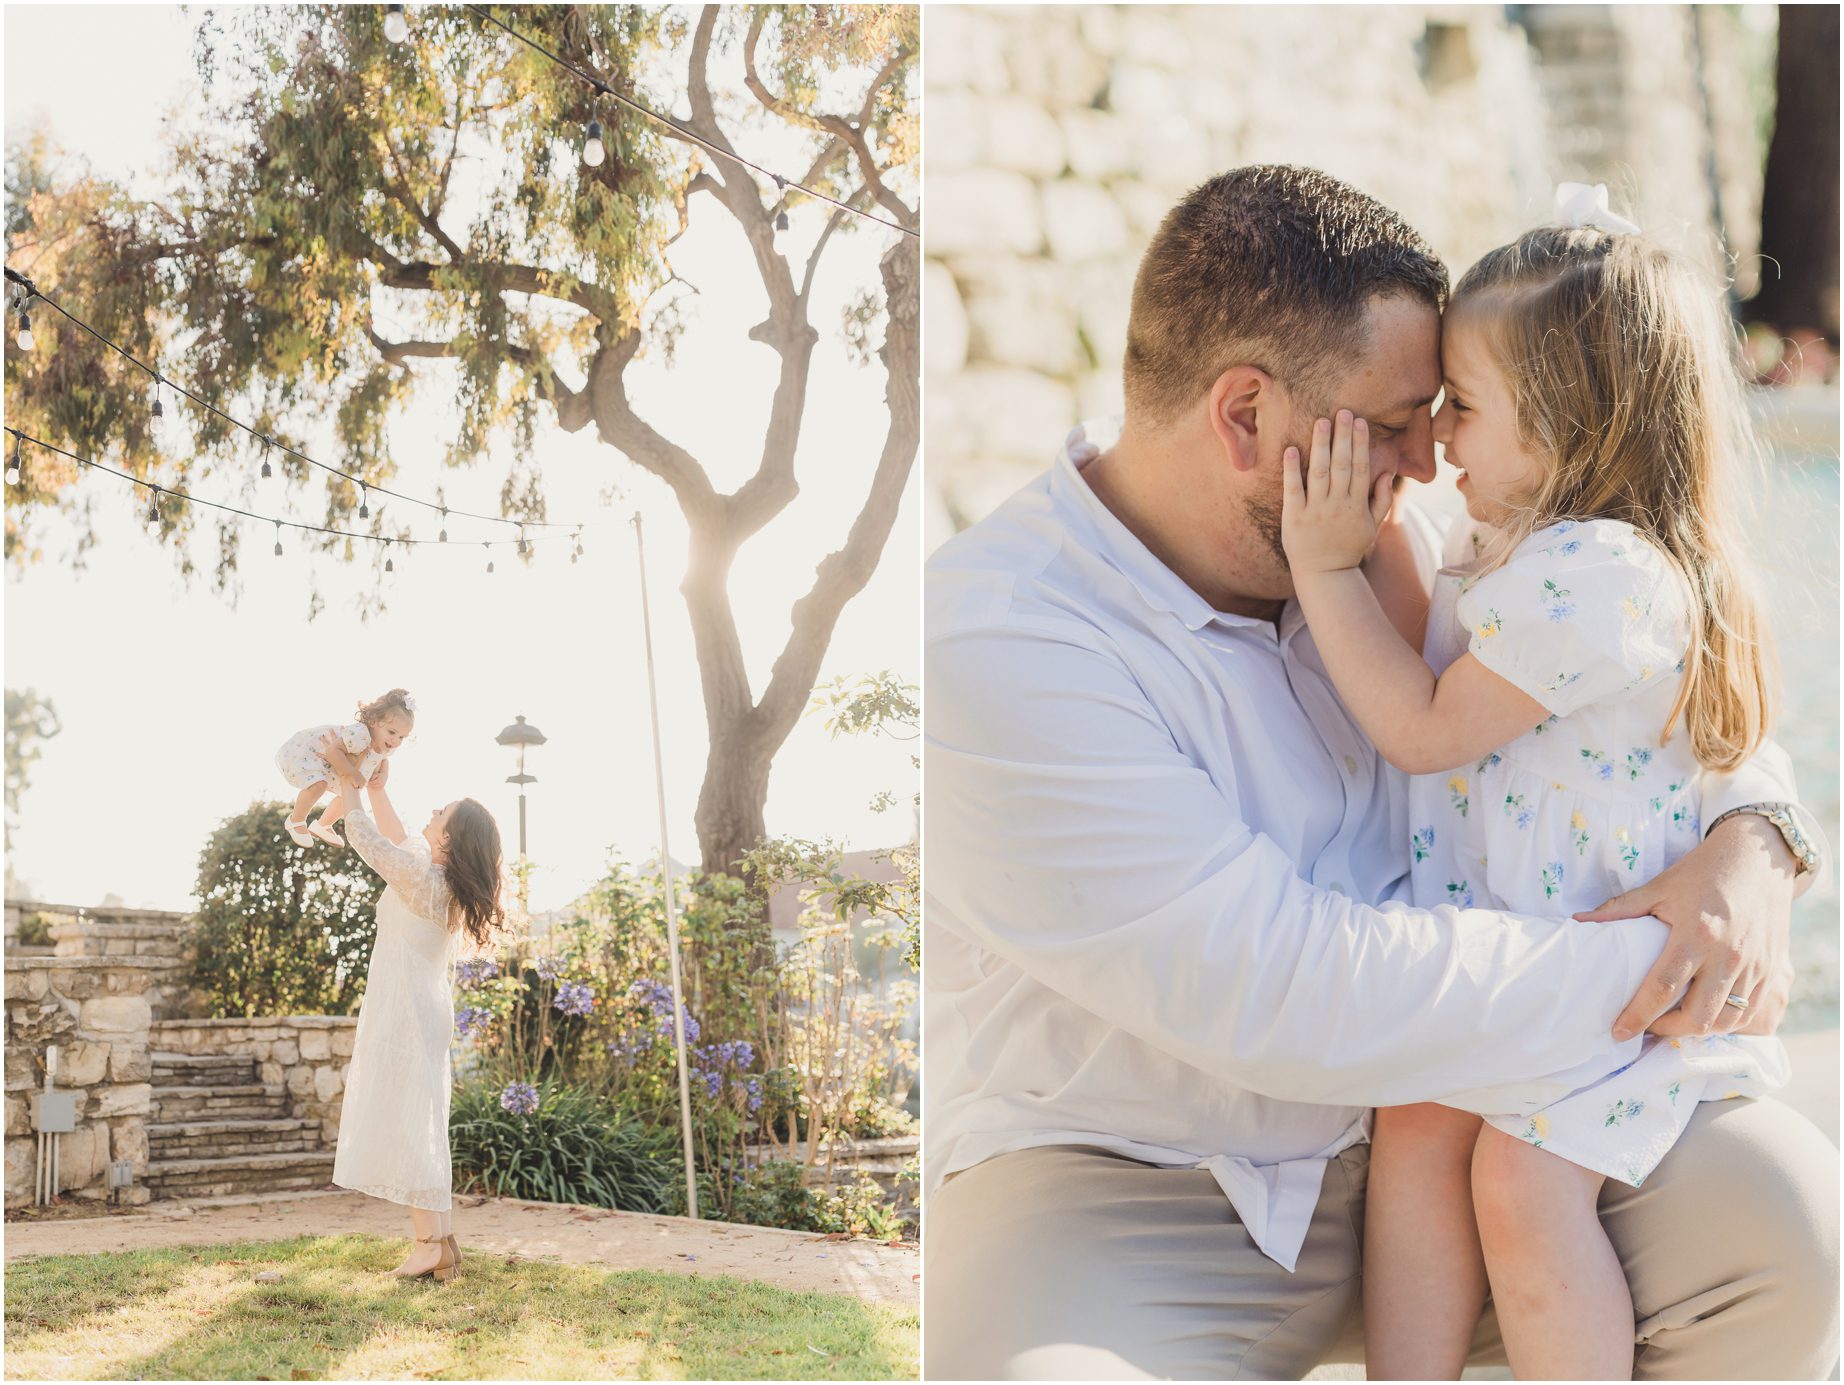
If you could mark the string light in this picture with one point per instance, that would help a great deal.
(593, 150)
(576, 550)
(389, 566)
(489, 548)
(396, 26)
(266, 472)
(364, 509)
(781, 207)
(278, 538)
(31, 291)
(157, 415)
(524, 548)
(153, 512)
(602, 88)
(444, 535)
(13, 468)
(25, 329)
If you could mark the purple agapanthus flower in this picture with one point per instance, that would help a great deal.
(546, 967)
(520, 1098)
(658, 998)
(471, 1019)
(574, 998)
(475, 970)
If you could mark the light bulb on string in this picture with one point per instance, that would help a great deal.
(396, 25)
(593, 149)
(443, 537)
(576, 550)
(153, 506)
(524, 547)
(781, 207)
(364, 509)
(24, 338)
(278, 538)
(13, 468)
(489, 548)
(389, 566)
(156, 416)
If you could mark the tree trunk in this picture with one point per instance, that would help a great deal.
(1799, 196)
(733, 796)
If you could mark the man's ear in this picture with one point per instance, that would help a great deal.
(1237, 400)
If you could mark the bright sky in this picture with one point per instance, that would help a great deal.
(173, 702)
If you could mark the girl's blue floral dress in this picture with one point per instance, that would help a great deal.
(1592, 621)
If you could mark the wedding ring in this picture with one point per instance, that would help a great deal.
(1740, 1002)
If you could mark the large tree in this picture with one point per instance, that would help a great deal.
(372, 219)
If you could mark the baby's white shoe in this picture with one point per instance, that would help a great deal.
(297, 829)
(325, 833)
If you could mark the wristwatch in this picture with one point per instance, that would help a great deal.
(1781, 816)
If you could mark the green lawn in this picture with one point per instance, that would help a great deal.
(196, 1313)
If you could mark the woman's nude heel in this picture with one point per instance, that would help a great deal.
(454, 1249)
(446, 1265)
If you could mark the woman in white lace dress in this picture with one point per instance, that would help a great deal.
(393, 1124)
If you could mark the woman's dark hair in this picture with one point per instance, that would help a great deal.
(396, 700)
(474, 871)
(1269, 266)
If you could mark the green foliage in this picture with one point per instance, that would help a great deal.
(281, 929)
(576, 1147)
(776, 1193)
(31, 720)
(877, 704)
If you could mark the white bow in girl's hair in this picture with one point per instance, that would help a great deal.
(1578, 205)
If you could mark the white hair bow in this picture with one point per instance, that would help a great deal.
(409, 704)
(1578, 205)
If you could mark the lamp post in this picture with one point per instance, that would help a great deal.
(521, 734)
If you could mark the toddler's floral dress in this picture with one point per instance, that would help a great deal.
(1591, 620)
(303, 760)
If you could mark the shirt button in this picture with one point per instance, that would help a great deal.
(1350, 765)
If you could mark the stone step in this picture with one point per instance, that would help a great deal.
(196, 1139)
(230, 1101)
(186, 1069)
(248, 1173)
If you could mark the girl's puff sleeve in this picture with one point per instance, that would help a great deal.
(1582, 612)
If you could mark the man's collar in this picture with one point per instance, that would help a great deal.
(1160, 587)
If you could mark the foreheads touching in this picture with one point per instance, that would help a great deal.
(1275, 268)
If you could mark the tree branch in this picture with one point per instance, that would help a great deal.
(843, 574)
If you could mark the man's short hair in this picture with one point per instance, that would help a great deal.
(1269, 266)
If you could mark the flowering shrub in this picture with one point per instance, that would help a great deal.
(789, 1052)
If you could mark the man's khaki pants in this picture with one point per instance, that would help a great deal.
(1073, 1263)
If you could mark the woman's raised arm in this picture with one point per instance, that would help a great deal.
(381, 808)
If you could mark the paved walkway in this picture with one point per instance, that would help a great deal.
(866, 1270)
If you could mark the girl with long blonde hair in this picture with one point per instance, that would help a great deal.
(1597, 654)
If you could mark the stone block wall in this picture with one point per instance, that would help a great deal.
(1057, 137)
(97, 1011)
(158, 936)
(306, 1054)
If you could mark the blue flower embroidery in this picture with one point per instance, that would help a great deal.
(1421, 843)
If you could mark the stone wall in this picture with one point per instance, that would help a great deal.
(96, 1010)
(1056, 137)
(306, 1054)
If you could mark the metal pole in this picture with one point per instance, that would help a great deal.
(672, 908)
(524, 862)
